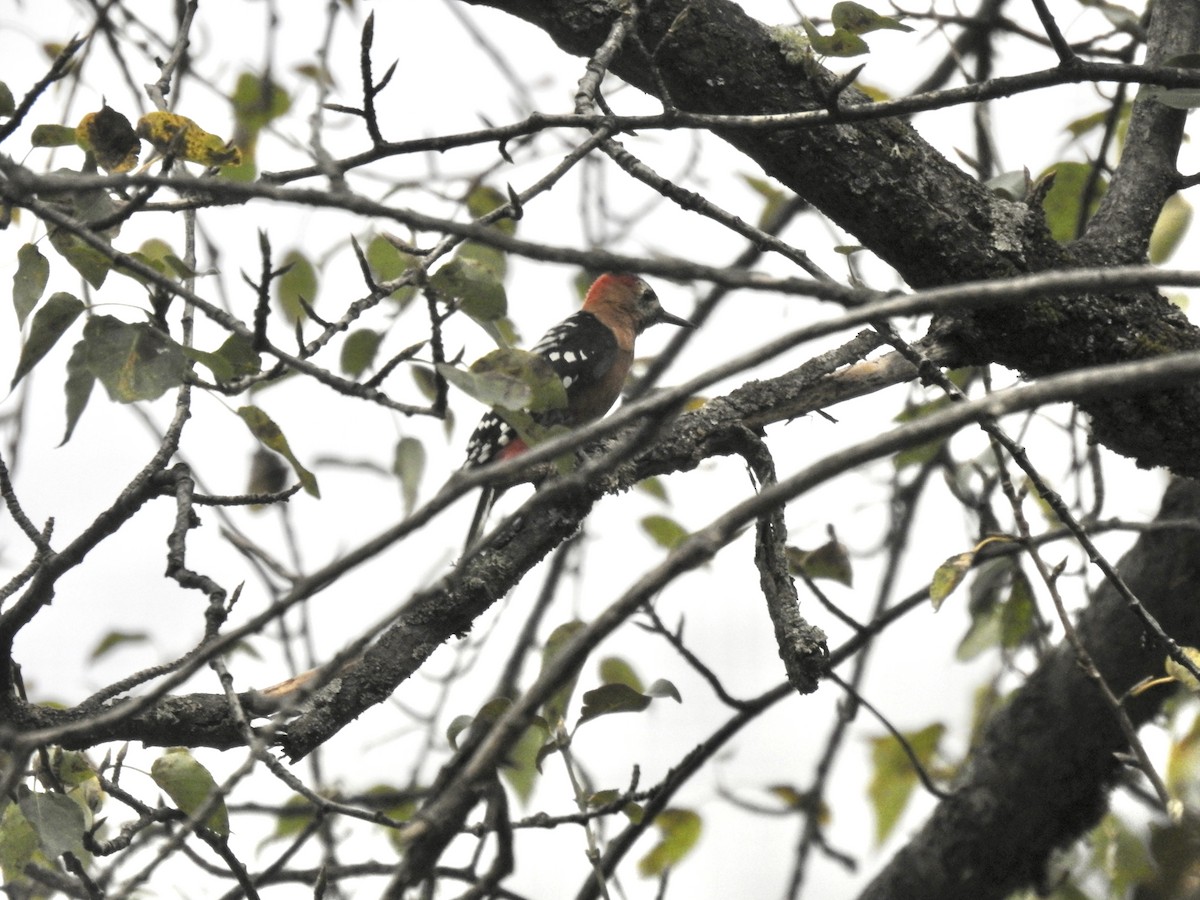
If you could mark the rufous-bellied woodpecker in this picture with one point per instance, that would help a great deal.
(591, 351)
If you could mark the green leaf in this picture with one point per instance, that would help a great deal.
(214, 362)
(80, 382)
(841, 43)
(664, 531)
(893, 777)
(457, 726)
(774, 197)
(1183, 765)
(622, 691)
(660, 687)
(474, 286)
(1122, 854)
(1063, 201)
(830, 561)
(189, 785)
(53, 136)
(983, 635)
(495, 261)
(298, 283)
(91, 206)
(257, 101)
(1097, 120)
(998, 622)
(510, 378)
(247, 169)
(234, 358)
(426, 381)
(522, 765)
(89, 262)
(238, 352)
(920, 453)
(268, 473)
(1170, 228)
(19, 844)
(71, 767)
(654, 487)
(482, 200)
(358, 351)
(316, 73)
(29, 281)
(600, 798)
(133, 361)
(271, 436)
(1176, 98)
(1173, 850)
(409, 465)
(1013, 185)
(1120, 17)
(949, 575)
(387, 263)
(679, 831)
(614, 670)
(1018, 621)
(554, 709)
(295, 816)
(49, 324)
(115, 639)
(789, 795)
(161, 257)
(612, 698)
(56, 818)
(858, 19)
(8, 105)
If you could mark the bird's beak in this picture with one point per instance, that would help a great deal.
(666, 318)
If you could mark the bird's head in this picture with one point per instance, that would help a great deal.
(631, 299)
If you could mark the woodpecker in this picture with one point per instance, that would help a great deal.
(591, 351)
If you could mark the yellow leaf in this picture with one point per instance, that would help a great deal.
(680, 829)
(1179, 673)
(110, 138)
(171, 132)
(269, 435)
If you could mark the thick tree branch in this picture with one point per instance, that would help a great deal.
(1147, 175)
(903, 200)
(1040, 776)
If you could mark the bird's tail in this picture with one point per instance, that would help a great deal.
(487, 497)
